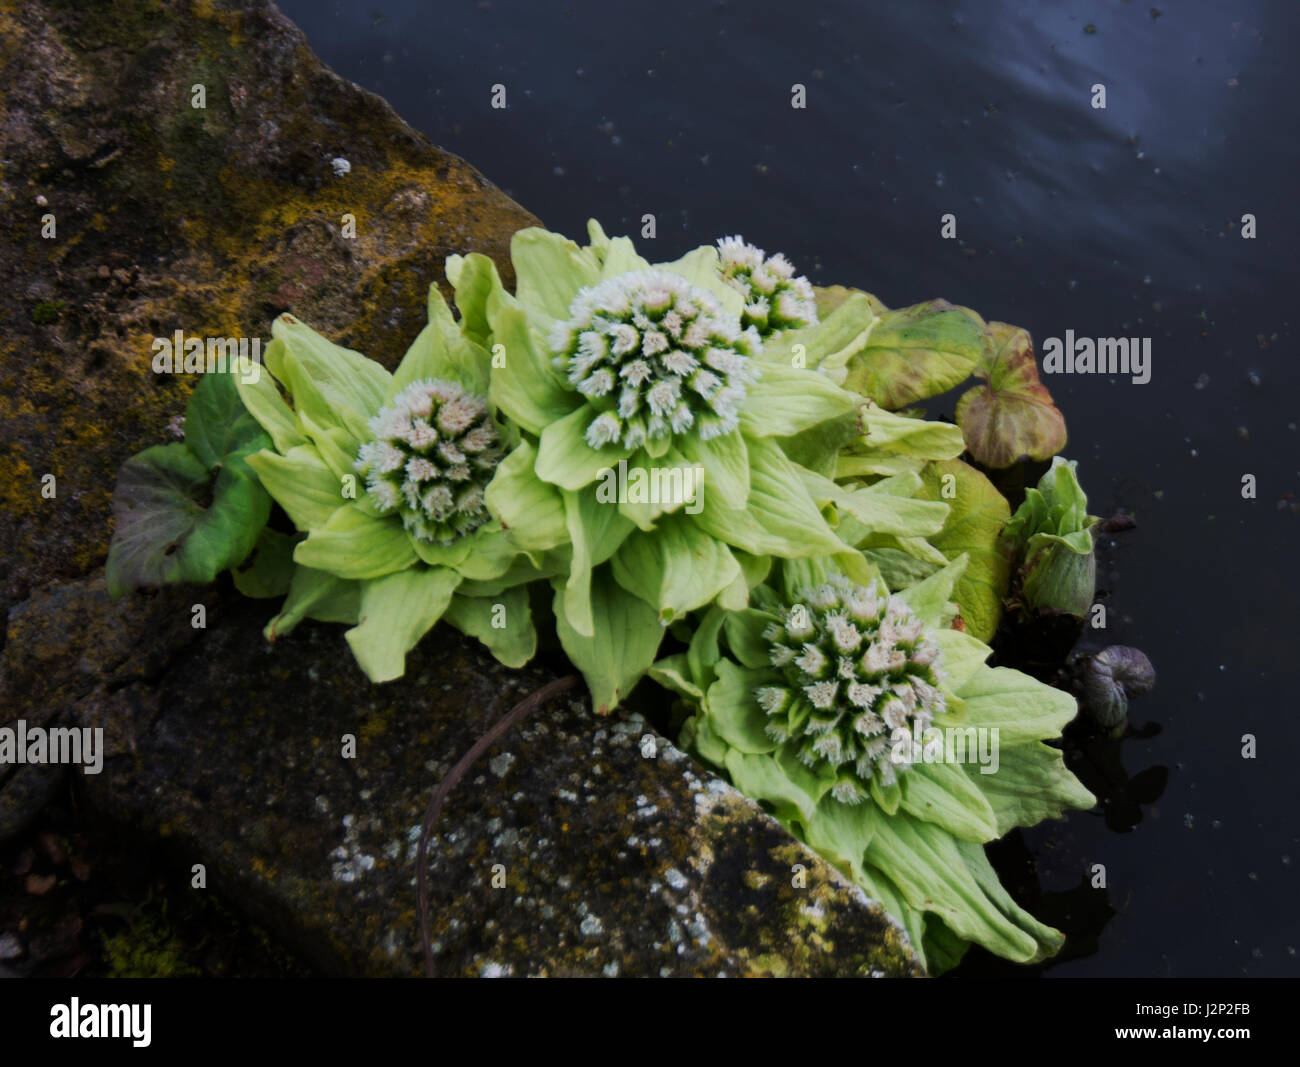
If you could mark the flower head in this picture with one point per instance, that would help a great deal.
(656, 357)
(857, 665)
(775, 299)
(435, 450)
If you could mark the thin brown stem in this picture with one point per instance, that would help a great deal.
(514, 715)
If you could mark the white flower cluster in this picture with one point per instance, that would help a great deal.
(655, 356)
(436, 449)
(774, 298)
(857, 667)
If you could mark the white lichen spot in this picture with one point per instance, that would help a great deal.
(341, 166)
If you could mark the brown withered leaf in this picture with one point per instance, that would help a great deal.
(1009, 416)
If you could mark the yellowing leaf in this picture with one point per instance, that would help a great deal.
(1010, 416)
(976, 514)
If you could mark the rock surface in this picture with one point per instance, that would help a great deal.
(618, 855)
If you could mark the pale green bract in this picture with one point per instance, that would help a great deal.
(1050, 537)
(905, 817)
(388, 476)
(657, 429)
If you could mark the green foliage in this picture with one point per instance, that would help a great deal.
(706, 444)
(1050, 536)
(186, 512)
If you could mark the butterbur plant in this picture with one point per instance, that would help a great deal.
(387, 475)
(612, 364)
(878, 735)
(186, 512)
(707, 447)
(1050, 538)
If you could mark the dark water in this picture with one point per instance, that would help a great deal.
(1115, 222)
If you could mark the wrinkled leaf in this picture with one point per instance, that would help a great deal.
(217, 424)
(916, 352)
(977, 513)
(622, 648)
(168, 531)
(1010, 417)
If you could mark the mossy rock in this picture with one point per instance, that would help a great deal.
(228, 751)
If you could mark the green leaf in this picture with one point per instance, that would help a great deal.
(438, 555)
(530, 510)
(623, 646)
(846, 321)
(263, 401)
(924, 861)
(929, 598)
(744, 631)
(301, 483)
(550, 270)
(763, 778)
(916, 352)
(674, 673)
(478, 286)
(526, 386)
(269, 570)
(335, 386)
(166, 530)
(504, 623)
(442, 350)
(893, 444)
(564, 457)
(977, 512)
(1050, 534)
(619, 257)
(1010, 417)
(842, 833)
(779, 518)
(732, 710)
(702, 653)
(879, 510)
(897, 568)
(1048, 941)
(907, 436)
(725, 461)
(336, 447)
(396, 611)
(818, 447)
(216, 423)
(677, 567)
(962, 656)
(646, 492)
(787, 400)
(1031, 786)
(702, 267)
(489, 554)
(316, 595)
(595, 531)
(1019, 707)
(352, 544)
(943, 793)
